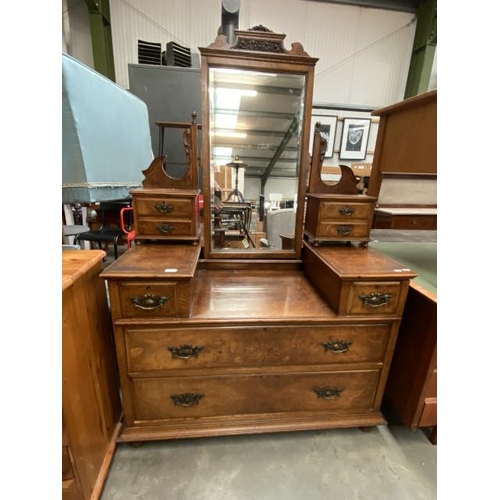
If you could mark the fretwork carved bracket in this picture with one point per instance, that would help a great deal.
(156, 176)
(347, 184)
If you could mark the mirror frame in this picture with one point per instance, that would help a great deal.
(257, 49)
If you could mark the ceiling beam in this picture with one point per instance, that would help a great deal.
(397, 5)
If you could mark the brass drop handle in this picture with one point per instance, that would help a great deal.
(375, 299)
(163, 207)
(328, 392)
(337, 346)
(187, 399)
(166, 228)
(344, 230)
(346, 211)
(148, 301)
(185, 351)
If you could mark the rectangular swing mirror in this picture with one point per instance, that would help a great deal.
(257, 99)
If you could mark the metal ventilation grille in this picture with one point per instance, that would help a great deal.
(177, 55)
(149, 52)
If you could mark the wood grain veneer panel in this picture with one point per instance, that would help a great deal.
(253, 394)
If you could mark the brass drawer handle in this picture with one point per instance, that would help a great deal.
(344, 230)
(346, 211)
(328, 392)
(148, 301)
(337, 346)
(166, 228)
(187, 399)
(375, 299)
(185, 351)
(163, 207)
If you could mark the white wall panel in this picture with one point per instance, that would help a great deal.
(364, 53)
(76, 38)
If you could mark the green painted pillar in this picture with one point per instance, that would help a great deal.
(424, 48)
(100, 31)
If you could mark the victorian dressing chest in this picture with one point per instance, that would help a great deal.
(215, 340)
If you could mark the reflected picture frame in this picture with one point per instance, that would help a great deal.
(328, 131)
(354, 141)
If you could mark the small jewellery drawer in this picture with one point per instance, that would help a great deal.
(335, 210)
(374, 297)
(164, 207)
(206, 396)
(166, 227)
(176, 348)
(149, 300)
(348, 229)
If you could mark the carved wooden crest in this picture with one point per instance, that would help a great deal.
(259, 39)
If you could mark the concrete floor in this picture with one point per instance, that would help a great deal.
(389, 463)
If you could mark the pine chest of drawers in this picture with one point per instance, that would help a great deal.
(255, 351)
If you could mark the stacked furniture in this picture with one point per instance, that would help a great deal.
(91, 407)
(215, 341)
(404, 177)
(404, 170)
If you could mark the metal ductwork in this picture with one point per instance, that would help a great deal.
(230, 13)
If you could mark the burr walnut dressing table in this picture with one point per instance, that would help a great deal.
(218, 340)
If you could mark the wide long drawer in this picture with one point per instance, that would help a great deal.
(150, 349)
(178, 397)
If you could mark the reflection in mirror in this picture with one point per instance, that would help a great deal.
(255, 136)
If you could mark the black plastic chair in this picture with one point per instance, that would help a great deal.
(110, 230)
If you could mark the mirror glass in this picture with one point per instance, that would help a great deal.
(255, 131)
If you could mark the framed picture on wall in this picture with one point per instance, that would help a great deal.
(327, 130)
(354, 138)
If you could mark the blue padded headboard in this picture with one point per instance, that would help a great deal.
(106, 139)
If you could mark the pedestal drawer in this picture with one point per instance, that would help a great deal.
(178, 397)
(149, 300)
(177, 348)
(373, 297)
